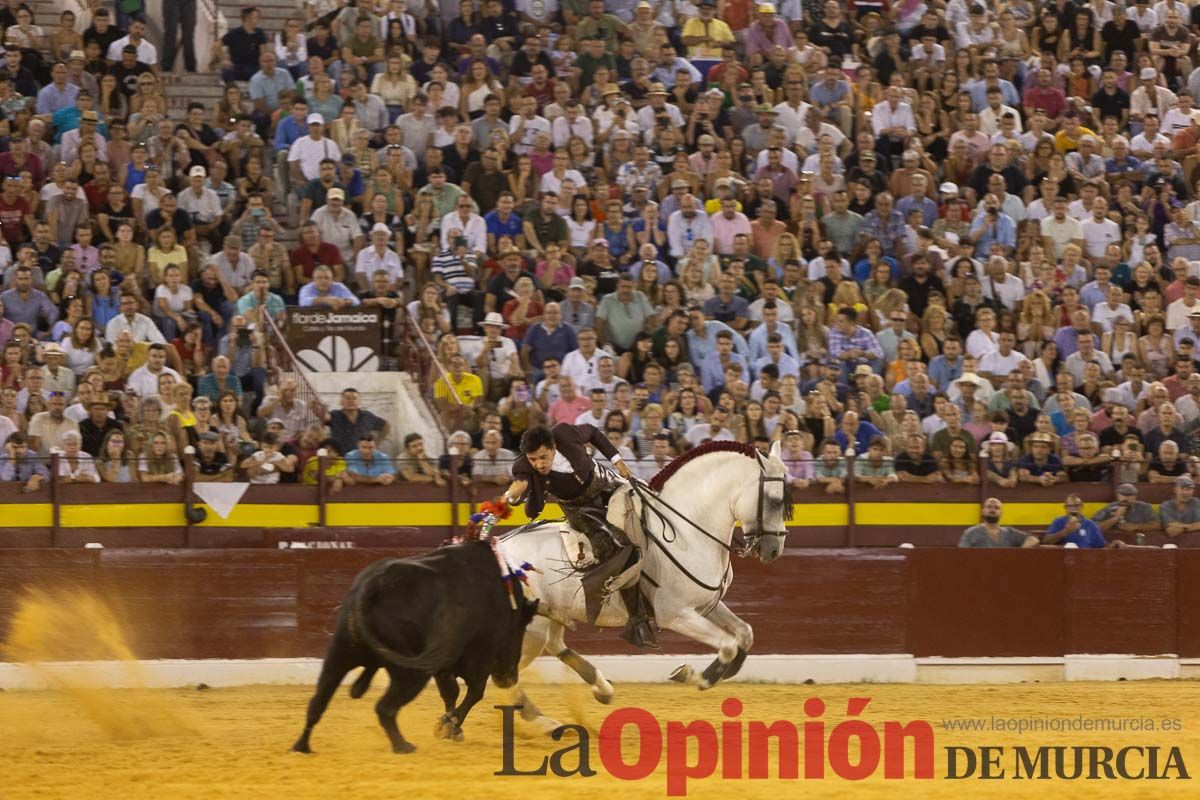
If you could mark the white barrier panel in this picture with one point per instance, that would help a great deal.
(787, 669)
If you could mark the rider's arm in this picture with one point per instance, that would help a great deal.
(523, 489)
(515, 494)
(592, 435)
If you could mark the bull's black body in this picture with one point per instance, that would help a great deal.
(444, 614)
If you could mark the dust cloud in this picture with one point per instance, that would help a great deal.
(77, 647)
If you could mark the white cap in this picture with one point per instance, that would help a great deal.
(198, 172)
(379, 227)
(315, 119)
(948, 188)
(1148, 73)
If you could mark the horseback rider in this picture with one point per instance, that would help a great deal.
(556, 462)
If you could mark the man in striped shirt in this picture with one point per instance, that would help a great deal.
(455, 271)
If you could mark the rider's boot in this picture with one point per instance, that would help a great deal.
(595, 579)
(638, 630)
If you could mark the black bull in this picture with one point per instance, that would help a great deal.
(444, 614)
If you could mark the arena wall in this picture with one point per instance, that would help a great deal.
(926, 603)
(137, 515)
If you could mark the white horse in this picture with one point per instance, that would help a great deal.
(686, 567)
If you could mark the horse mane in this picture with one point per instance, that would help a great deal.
(660, 480)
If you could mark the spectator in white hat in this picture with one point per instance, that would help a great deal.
(307, 152)
(378, 255)
(338, 225)
(497, 358)
(203, 205)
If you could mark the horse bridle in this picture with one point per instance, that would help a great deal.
(650, 497)
(759, 531)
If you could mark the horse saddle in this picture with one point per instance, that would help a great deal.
(577, 546)
(619, 571)
(625, 513)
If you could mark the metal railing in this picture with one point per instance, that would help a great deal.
(282, 365)
(417, 347)
(426, 377)
(852, 491)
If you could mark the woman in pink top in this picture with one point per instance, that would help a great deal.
(554, 273)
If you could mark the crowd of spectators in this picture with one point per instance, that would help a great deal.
(913, 233)
(1126, 516)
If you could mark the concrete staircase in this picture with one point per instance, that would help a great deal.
(202, 86)
(207, 87)
(189, 87)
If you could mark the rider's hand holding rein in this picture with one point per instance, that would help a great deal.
(623, 469)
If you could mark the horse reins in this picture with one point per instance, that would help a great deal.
(651, 499)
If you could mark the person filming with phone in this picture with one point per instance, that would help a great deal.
(497, 360)
(1074, 528)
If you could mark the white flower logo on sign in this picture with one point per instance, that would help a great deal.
(334, 354)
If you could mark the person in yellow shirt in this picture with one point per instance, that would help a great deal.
(456, 394)
(1068, 136)
(704, 35)
(335, 468)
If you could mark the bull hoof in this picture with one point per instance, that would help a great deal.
(683, 674)
(302, 747)
(446, 727)
(404, 748)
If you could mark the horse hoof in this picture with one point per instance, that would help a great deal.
(682, 674)
(603, 696)
(404, 748)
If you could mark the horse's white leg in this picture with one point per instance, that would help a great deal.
(731, 622)
(534, 643)
(741, 631)
(533, 646)
(602, 690)
(691, 624)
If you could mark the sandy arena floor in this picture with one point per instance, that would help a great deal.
(233, 743)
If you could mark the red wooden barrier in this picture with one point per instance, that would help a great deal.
(255, 603)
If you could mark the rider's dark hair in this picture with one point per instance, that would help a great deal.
(536, 438)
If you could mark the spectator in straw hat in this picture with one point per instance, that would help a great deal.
(1040, 466)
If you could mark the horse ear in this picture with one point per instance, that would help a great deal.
(777, 449)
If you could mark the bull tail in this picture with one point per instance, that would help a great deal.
(430, 659)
